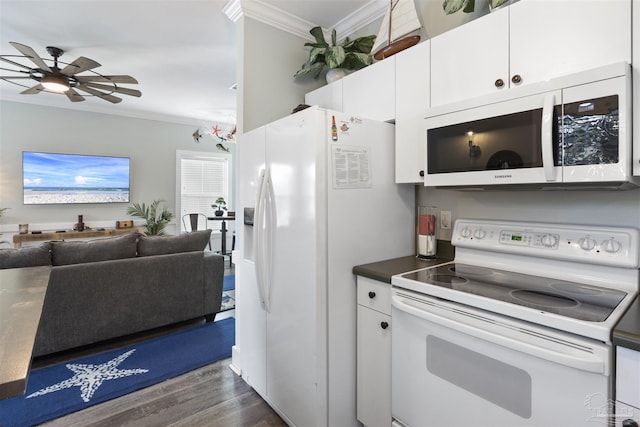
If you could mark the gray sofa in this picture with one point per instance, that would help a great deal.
(109, 288)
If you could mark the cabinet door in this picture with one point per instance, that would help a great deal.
(554, 38)
(412, 102)
(374, 368)
(467, 61)
(329, 96)
(370, 92)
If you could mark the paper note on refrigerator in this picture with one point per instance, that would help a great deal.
(350, 166)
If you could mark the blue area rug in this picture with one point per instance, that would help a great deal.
(229, 283)
(68, 387)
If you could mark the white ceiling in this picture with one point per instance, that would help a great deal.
(182, 52)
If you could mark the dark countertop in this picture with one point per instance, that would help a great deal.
(627, 331)
(383, 270)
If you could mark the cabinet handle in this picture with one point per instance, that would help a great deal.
(516, 78)
(629, 423)
(384, 325)
(422, 174)
(499, 83)
(372, 294)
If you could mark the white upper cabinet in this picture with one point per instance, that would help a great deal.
(328, 96)
(529, 41)
(467, 61)
(370, 91)
(412, 102)
(555, 38)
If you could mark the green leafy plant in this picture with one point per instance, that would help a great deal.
(219, 206)
(156, 220)
(350, 54)
(2, 210)
(467, 6)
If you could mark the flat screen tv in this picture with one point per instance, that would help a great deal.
(54, 178)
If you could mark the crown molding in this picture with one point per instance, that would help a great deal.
(285, 21)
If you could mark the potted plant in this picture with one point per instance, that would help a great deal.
(219, 206)
(348, 55)
(468, 6)
(156, 221)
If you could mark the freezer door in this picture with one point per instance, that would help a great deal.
(291, 147)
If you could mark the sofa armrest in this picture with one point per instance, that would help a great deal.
(213, 281)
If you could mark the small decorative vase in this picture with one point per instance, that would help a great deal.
(219, 213)
(334, 74)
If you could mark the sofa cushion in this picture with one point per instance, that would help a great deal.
(161, 245)
(29, 256)
(119, 247)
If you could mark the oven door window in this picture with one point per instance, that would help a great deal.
(510, 141)
(590, 130)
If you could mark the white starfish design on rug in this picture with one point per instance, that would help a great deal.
(90, 377)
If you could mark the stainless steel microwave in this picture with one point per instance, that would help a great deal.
(573, 130)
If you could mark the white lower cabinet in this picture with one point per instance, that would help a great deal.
(627, 387)
(374, 353)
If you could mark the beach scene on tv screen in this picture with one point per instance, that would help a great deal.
(51, 178)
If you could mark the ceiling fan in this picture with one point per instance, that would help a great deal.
(52, 78)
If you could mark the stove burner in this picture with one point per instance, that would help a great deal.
(544, 299)
(448, 278)
(576, 289)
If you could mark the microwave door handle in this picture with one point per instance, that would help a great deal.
(547, 137)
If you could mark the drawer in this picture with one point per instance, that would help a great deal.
(374, 294)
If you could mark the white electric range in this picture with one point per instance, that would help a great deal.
(517, 329)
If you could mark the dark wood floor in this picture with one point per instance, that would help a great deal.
(211, 396)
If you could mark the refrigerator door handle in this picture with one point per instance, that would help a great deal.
(270, 227)
(258, 236)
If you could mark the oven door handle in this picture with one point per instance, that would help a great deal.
(589, 362)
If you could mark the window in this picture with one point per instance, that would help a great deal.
(202, 178)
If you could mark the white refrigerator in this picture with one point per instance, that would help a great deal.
(315, 199)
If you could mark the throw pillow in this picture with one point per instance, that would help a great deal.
(161, 245)
(29, 256)
(64, 253)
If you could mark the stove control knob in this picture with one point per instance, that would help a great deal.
(629, 423)
(480, 234)
(465, 232)
(611, 246)
(549, 240)
(586, 243)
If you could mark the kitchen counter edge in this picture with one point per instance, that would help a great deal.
(383, 270)
(627, 331)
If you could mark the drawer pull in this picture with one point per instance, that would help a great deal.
(516, 78)
(384, 325)
(372, 294)
(499, 83)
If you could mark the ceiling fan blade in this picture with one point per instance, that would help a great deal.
(110, 98)
(74, 96)
(79, 65)
(113, 79)
(123, 90)
(14, 77)
(33, 90)
(17, 64)
(31, 54)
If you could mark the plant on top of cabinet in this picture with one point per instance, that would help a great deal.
(468, 6)
(350, 54)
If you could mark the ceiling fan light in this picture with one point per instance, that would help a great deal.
(55, 83)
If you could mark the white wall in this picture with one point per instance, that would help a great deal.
(150, 144)
(617, 208)
(270, 58)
